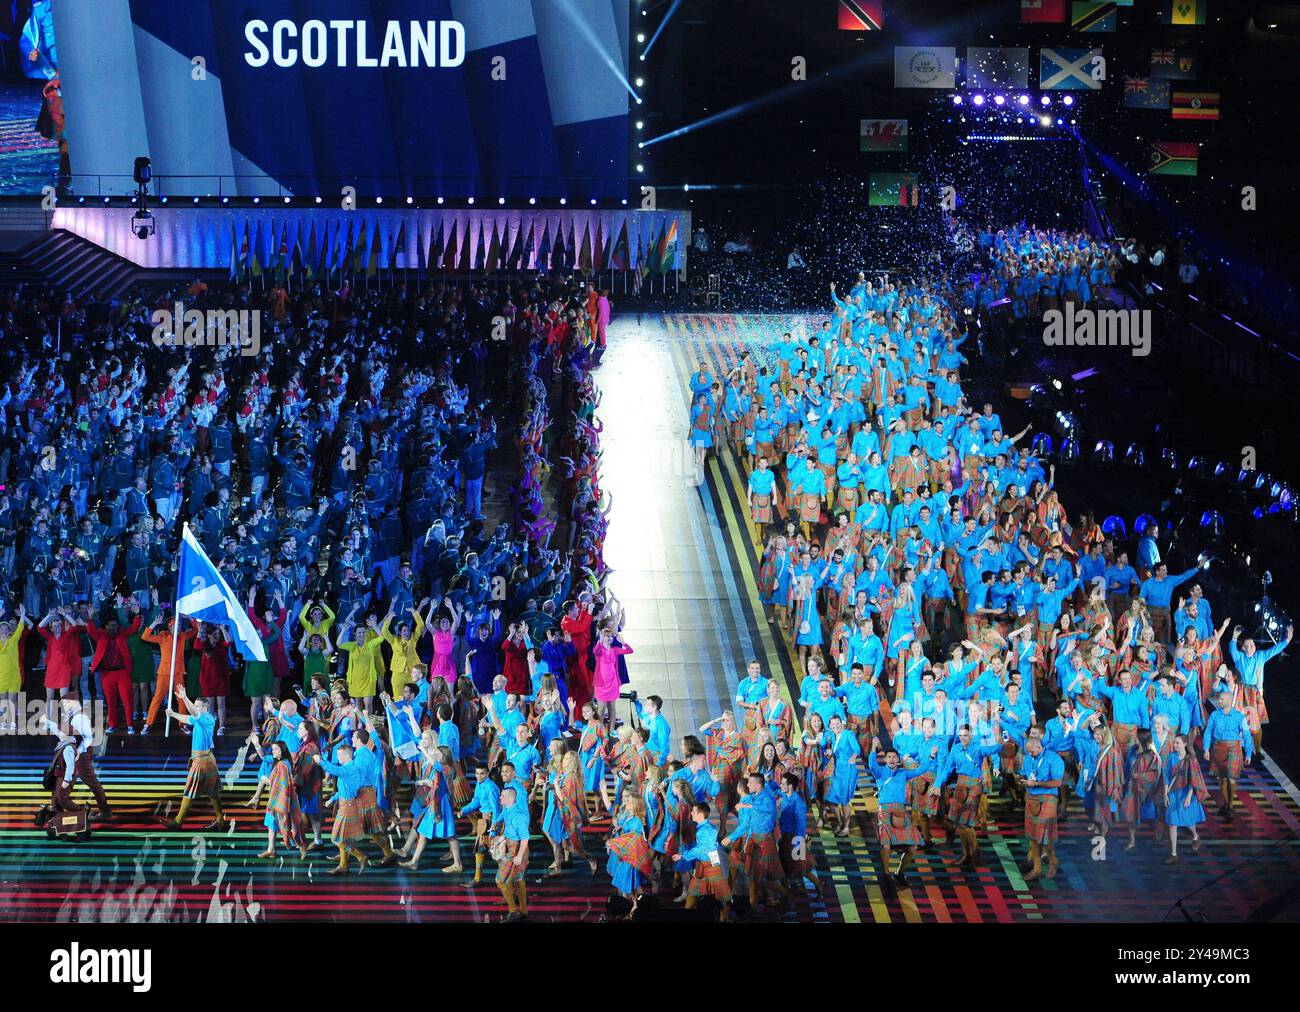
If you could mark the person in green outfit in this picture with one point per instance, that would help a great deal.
(143, 657)
(259, 677)
(316, 651)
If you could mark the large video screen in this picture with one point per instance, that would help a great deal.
(454, 98)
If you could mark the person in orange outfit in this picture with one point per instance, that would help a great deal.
(160, 633)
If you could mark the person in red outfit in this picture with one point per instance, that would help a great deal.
(62, 655)
(518, 679)
(577, 623)
(213, 643)
(112, 662)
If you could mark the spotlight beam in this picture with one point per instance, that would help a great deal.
(780, 95)
(589, 36)
(660, 30)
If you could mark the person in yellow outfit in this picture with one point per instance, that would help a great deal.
(403, 644)
(11, 671)
(316, 618)
(365, 660)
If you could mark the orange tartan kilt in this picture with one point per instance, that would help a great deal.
(762, 509)
(810, 507)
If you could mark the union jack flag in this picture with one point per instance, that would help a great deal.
(1137, 84)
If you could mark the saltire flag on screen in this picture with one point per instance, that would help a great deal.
(997, 67)
(883, 135)
(861, 15)
(1183, 12)
(1093, 17)
(925, 67)
(1175, 64)
(1173, 158)
(1068, 69)
(1196, 105)
(203, 593)
(894, 189)
(1146, 93)
(1049, 11)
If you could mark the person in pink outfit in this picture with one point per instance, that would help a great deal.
(606, 681)
(444, 645)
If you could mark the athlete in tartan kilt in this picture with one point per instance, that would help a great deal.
(894, 826)
(1041, 774)
(202, 780)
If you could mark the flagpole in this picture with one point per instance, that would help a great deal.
(176, 632)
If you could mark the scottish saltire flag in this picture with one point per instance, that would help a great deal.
(202, 593)
(861, 15)
(406, 739)
(1068, 69)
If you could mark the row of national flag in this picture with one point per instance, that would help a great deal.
(1083, 15)
(296, 250)
(1101, 17)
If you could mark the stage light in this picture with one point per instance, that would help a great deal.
(1141, 524)
(1135, 455)
(287, 199)
(956, 100)
(410, 200)
(1261, 480)
(1041, 445)
(593, 201)
(639, 82)
(1060, 122)
(532, 200)
(225, 200)
(143, 171)
(501, 200)
(1068, 100)
(565, 200)
(1205, 559)
(1023, 100)
(1114, 526)
(1046, 100)
(1214, 522)
(196, 200)
(1045, 121)
(625, 202)
(440, 200)
(1057, 384)
(640, 36)
(81, 200)
(640, 124)
(471, 201)
(257, 200)
(1169, 457)
(978, 100)
(999, 100)
(1104, 452)
(318, 200)
(163, 199)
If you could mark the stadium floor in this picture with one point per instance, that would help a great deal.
(684, 567)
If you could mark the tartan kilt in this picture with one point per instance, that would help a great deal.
(372, 819)
(767, 450)
(203, 780)
(462, 791)
(507, 870)
(1255, 699)
(919, 797)
(762, 509)
(810, 507)
(847, 499)
(348, 826)
(709, 879)
(1228, 759)
(761, 859)
(964, 802)
(1124, 734)
(1040, 817)
(894, 827)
